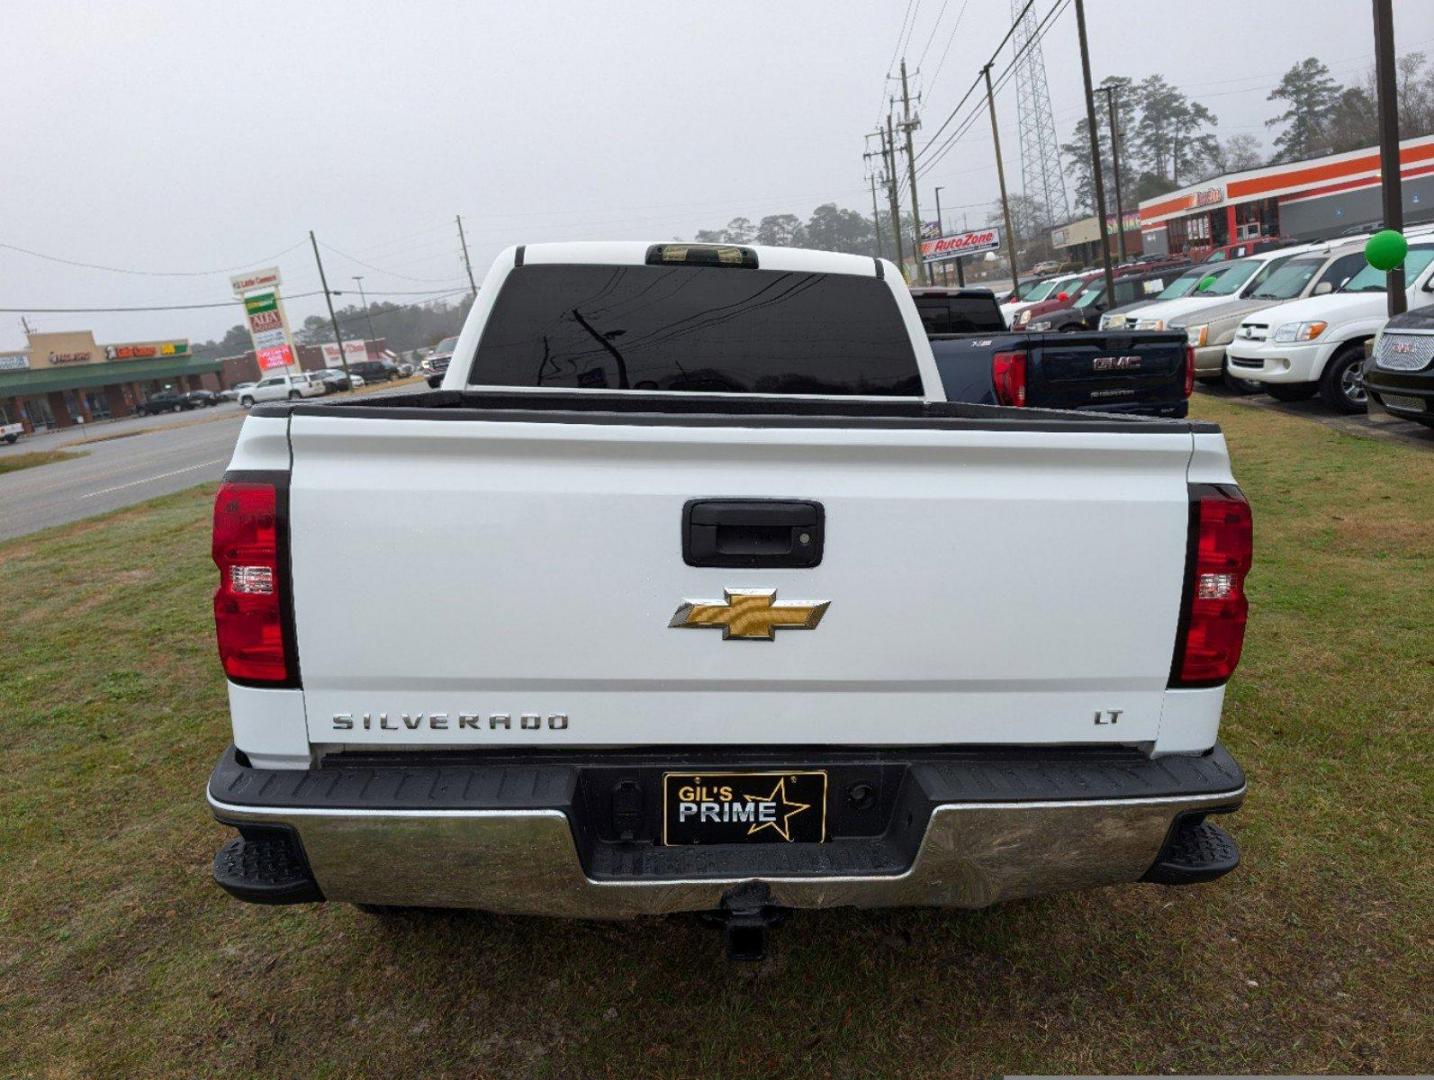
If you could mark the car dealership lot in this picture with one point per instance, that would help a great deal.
(119, 956)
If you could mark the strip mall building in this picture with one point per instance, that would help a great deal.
(61, 378)
(1304, 200)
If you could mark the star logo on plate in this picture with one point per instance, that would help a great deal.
(786, 810)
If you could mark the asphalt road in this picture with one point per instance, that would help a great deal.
(172, 454)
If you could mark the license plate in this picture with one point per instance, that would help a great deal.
(767, 807)
(1401, 401)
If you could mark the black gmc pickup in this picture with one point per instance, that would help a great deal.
(1148, 372)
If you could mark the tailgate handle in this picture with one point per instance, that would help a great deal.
(753, 533)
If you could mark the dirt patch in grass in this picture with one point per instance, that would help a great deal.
(118, 956)
(16, 462)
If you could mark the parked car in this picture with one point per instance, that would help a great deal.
(1316, 345)
(979, 361)
(11, 432)
(236, 391)
(374, 371)
(203, 399)
(164, 401)
(435, 365)
(1315, 272)
(1242, 249)
(1123, 315)
(282, 387)
(1399, 376)
(796, 631)
(1085, 308)
(1226, 281)
(335, 380)
(1049, 266)
(1057, 296)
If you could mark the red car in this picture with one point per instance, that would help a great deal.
(1055, 303)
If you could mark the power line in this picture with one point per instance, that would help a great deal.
(932, 36)
(379, 269)
(150, 273)
(946, 51)
(995, 53)
(900, 34)
(1056, 9)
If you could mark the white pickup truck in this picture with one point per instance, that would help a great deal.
(722, 607)
(11, 432)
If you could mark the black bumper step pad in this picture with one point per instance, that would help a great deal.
(1198, 850)
(266, 865)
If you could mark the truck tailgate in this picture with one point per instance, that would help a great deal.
(1094, 368)
(475, 583)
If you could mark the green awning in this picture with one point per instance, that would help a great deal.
(88, 376)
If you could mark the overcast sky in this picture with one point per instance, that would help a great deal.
(193, 138)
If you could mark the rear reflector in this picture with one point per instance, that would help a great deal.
(1213, 620)
(248, 605)
(1189, 370)
(1008, 374)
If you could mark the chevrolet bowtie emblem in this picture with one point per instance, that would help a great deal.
(749, 614)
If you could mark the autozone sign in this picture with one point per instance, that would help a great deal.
(966, 243)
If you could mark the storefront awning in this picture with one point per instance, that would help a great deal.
(88, 376)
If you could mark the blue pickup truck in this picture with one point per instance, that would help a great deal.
(1149, 372)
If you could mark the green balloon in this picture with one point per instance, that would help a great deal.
(1386, 249)
(1205, 283)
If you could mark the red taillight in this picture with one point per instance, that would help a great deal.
(1008, 373)
(248, 608)
(1189, 370)
(1215, 604)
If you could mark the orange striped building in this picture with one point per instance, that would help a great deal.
(1303, 200)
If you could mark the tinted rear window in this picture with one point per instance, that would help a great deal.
(960, 314)
(700, 329)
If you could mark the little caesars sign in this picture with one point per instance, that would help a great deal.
(268, 325)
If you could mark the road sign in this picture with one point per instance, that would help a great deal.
(958, 245)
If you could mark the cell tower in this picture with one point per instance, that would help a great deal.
(1041, 176)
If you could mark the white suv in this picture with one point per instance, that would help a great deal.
(1316, 345)
(282, 388)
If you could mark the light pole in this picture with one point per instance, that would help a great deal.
(368, 315)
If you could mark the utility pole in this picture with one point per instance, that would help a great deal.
(1389, 142)
(466, 264)
(366, 313)
(1095, 154)
(1110, 92)
(940, 232)
(333, 319)
(1001, 178)
(867, 155)
(876, 219)
(909, 124)
(889, 148)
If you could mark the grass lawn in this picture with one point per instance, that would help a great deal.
(118, 956)
(16, 462)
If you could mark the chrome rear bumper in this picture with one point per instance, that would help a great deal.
(537, 859)
(525, 862)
